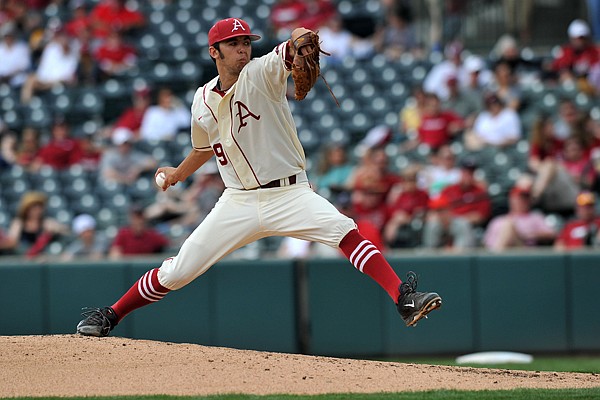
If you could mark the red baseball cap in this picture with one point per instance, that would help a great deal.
(229, 28)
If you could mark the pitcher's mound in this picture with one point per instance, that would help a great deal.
(71, 365)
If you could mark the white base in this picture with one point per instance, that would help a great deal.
(495, 357)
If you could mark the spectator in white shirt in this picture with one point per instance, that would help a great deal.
(163, 120)
(341, 43)
(122, 163)
(440, 172)
(436, 79)
(498, 125)
(58, 65)
(471, 72)
(15, 56)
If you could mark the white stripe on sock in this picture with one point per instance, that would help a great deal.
(148, 285)
(357, 249)
(143, 289)
(141, 292)
(366, 258)
(365, 249)
(154, 291)
(362, 253)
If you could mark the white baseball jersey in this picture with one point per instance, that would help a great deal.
(251, 129)
(252, 133)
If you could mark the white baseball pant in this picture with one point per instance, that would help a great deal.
(241, 217)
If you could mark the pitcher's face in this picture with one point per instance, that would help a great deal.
(233, 54)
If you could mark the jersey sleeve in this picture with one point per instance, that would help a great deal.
(273, 69)
(200, 140)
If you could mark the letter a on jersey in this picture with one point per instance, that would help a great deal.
(243, 113)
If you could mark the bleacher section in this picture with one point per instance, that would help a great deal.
(172, 51)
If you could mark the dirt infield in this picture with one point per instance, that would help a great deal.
(70, 365)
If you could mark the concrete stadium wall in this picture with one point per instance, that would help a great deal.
(530, 302)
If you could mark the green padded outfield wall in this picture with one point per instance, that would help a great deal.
(23, 294)
(583, 274)
(522, 303)
(250, 304)
(532, 302)
(450, 331)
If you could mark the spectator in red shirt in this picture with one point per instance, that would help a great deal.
(366, 206)
(438, 126)
(459, 209)
(410, 204)
(468, 198)
(61, 151)
(28, 148)
(79, 24)
(577, 57)
(113, 15)
(114, 56)
(444, 230)
(137, 238)
(560, 178)
(91, 153)
(582, 231)
(373, 175)
(544, 145)
(133, 116)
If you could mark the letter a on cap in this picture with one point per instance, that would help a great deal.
(229, 28)
(237, 24)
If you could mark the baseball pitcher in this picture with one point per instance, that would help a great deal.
(242, 118)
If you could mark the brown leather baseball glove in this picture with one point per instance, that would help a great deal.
(305, 67)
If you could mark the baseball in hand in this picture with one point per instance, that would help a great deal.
(160, 179)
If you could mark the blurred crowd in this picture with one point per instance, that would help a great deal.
(421, 184)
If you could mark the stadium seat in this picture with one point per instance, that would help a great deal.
(106, 217)
(120, 202)
(12, 119)
(50, 186)
(117, 96)
(76, 188)
(64, 216)
(89, 104)
(143, 191)
(5, 218)
(87, 203)
(310, 141)
(55, 203)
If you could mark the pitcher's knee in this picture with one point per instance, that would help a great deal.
(172, 276)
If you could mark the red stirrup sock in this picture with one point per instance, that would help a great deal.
(145, 291)
(368, 259)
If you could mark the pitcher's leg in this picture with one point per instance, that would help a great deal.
(368, 259)
(236, 223)
(320, 221)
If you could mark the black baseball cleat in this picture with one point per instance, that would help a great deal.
(413, 305)
(97, 322)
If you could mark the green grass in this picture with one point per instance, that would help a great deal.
(520, 394)
(558, 364)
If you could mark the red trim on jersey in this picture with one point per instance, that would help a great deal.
(286, 56)
(238, 145)
(222, 93)
(206, 104)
